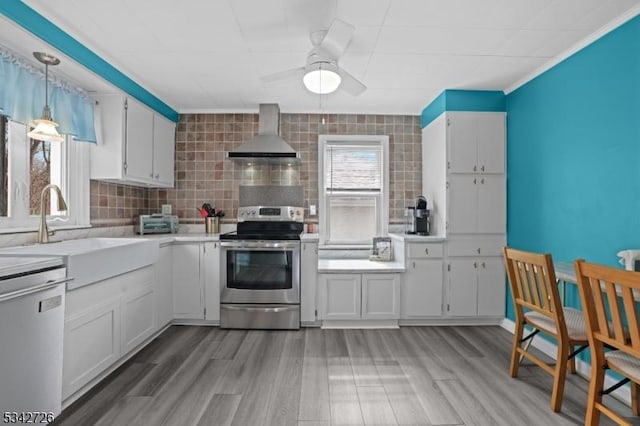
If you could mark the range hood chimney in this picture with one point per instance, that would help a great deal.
(267, 145)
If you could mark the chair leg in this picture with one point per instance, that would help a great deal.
(635, 398)
(559, 376)
(596, 385)
(515, 356)
(571, 365)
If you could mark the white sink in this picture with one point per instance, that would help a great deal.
(94, 259)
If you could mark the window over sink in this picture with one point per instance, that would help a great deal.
(27, 166)
(353, 188)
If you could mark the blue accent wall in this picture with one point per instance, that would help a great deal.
(463, 100)
(44, 29)
(573, 155)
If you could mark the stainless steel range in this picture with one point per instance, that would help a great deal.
(260, 281)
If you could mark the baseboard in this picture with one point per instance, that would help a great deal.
(583, 368)
(359, 324)
(451, 321)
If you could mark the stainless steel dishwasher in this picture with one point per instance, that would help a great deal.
(31, 331)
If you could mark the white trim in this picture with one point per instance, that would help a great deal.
(607, 28)
(583, 368)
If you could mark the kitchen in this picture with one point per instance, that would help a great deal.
(597, 108)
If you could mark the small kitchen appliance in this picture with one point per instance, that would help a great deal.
(156, 224)
(418, 220)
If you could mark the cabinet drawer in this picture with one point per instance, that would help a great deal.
(424, 250)
(475, 248)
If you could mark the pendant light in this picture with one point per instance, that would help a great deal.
(45, 129)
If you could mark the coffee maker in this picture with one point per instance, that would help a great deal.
(418, 221)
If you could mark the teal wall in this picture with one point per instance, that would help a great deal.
(463, 100)
(573, 155)
(44, 29)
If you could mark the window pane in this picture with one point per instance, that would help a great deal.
(4, 166)
(352, 219)
(40, 173)
(353, 168)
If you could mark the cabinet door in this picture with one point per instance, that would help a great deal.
(164, 286)
(164, 140)
(212, 281)
(340, 296)
(187, 282)
(463, 195)
(138, 317)
(380, 296)
(91, 344)
(492, 208)
(139, 141)
(308, 281)
(463, 287)
(422, 289)
(491, 286)
(490, 135)
(462, 143)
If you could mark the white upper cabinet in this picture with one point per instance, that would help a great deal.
(137, 145)
(476, 142)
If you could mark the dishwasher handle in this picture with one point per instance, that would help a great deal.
(33, 289)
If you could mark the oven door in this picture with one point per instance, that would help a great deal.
(260, 272)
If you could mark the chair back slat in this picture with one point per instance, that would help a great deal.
(533, 282)
(596, 281)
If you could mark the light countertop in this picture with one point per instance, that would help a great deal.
(344, 266)
(418, 238)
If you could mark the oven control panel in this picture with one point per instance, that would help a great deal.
(262, 213)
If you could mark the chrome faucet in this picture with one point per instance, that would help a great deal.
(43, 230)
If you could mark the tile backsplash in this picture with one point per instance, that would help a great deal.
(202, 174)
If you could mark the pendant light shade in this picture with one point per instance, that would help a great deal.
(321, 78)
(45, 129)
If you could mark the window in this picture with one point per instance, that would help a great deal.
(27, 166)
(353, 180)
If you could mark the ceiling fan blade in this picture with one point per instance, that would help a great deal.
(337, 39)
(292, 74)
(350, 84)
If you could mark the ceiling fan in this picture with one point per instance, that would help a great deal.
(321, 74)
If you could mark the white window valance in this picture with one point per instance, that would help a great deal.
(22, 92)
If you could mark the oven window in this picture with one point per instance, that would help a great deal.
(259, 270)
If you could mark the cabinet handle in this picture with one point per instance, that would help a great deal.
(475, 265)
(426, 250)
(413, 265)
(475, 168)
(475, 181)
(478, 250)
(483, 265)
(482, 181)
(151, 175)
(482, 168)
(157, 175)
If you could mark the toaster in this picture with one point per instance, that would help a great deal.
(156, 224)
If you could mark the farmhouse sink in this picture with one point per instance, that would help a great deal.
(90, 260)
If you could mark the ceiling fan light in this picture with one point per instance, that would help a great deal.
(321, 80)
(45, 130)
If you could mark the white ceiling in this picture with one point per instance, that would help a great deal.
(209, 55)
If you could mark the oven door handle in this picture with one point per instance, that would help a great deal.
(270, 246)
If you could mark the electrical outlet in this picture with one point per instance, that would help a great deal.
(312, 210)
(166, 209)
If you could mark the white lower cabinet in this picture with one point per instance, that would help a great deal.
(103, 322)
(164, 285)
(423, 281)
(211, 267)
(188, 282)
(476, 283)
(308, 282)
(359, 296)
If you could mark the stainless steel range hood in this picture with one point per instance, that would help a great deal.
(267, 145)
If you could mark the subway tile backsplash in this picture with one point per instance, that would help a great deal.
(202, 174)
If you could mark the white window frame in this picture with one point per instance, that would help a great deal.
(323, 197)
(75, 159)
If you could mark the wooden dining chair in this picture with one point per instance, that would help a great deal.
(603, 290)
(538, 305)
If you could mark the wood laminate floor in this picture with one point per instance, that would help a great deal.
(409, 376)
